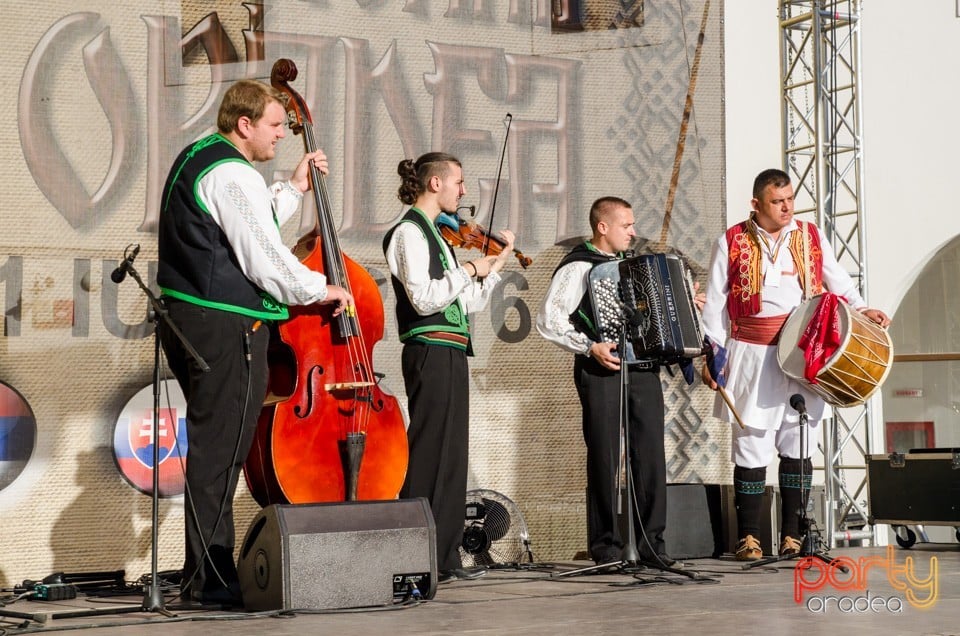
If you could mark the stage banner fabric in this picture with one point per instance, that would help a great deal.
(603, 97)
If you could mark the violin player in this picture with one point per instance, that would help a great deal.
(223, 272)
(434, 295)
(566, 319)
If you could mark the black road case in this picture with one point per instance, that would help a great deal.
(918, 487)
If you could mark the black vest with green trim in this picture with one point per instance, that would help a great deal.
(582, 318)
(453, 319)
(197, 264)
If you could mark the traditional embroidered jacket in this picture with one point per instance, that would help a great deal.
(745, 272)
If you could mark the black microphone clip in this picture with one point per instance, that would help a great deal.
(631, 315)
(120, 272)
(798, 404)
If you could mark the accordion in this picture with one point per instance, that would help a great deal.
(652, 295)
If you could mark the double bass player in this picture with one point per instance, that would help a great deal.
(223, 272)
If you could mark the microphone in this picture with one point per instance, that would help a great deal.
(121, 272)
(471, 208)
(796, 401)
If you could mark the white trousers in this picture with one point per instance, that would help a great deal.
(757, 447)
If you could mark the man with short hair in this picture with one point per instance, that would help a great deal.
(761, 269)
(566, 319)
(223, 271)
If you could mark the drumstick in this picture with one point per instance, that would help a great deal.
(726, 398)
(733, 409)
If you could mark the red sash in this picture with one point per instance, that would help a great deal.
(757, 330)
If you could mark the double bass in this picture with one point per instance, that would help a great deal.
(327, 431)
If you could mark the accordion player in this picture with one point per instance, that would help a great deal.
(652, 295)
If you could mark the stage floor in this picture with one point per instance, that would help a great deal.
(722, 599)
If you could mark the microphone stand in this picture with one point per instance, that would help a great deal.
(629, 557)
(629, 562)
(809, 541)
(152, 596)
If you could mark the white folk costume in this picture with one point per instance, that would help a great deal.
(754, 284)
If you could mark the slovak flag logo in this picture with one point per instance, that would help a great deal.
(140, 431)
(133, 442)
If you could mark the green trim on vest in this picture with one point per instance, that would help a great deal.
(203, 173)
(273, 310)
(457, 320)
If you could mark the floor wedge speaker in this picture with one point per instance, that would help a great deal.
(694, 521)
(338, 555)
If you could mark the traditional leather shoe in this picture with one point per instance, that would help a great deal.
(789, 546)
(748, 549)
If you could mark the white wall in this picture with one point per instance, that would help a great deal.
(909, 90)
(752, 94)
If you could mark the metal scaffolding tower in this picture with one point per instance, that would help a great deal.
(822, 151)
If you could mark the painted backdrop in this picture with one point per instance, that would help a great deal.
(613, 97)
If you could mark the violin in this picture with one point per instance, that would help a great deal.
(460, 233)
(469, 235)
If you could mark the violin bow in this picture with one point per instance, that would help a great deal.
(496, 187)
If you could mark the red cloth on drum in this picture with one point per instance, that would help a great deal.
(822, 336)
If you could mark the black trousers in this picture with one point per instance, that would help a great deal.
(222, 409)
(599, 392)
(438, 397)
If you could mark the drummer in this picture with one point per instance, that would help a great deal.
(756, 279)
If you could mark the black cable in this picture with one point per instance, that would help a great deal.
(205, 542)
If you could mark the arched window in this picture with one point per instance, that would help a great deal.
(921, 396)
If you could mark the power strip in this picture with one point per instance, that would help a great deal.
(53, 592)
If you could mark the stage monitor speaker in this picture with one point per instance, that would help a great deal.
(694, 521)
(338, 555)
(695, 526)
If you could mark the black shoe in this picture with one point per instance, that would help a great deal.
(445, 576)
(662, 560)
(219, 597)
(460, 574)
(610, 556)
(609, 563)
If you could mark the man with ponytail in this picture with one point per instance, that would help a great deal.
(434, 297)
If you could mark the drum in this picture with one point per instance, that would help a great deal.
(856, 369)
